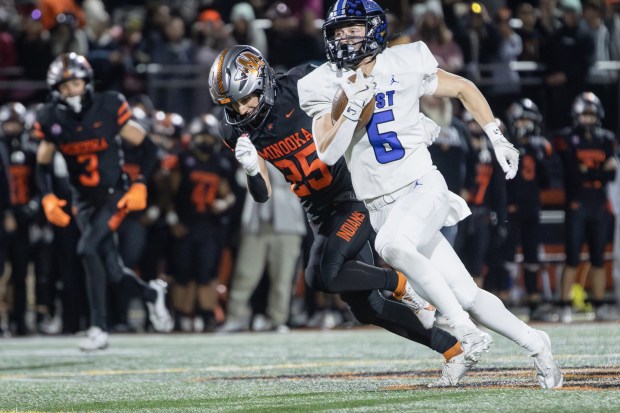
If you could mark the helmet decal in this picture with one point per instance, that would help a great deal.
(241, 71)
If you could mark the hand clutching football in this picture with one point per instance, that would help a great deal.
(355, 99)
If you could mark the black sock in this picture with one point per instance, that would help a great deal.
(442, 341)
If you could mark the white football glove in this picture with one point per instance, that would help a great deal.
(507, 155)
(246, 154)
(359, 93)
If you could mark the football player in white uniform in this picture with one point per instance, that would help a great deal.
(393, 172)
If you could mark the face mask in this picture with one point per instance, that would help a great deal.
(75, 103)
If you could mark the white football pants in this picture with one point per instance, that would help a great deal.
(408, 238)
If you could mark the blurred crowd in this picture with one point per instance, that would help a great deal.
(235, 265)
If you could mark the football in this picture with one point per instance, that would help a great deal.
(340, 102)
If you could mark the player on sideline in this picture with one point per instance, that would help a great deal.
(263, 122)
(392, 171)
(87, 127)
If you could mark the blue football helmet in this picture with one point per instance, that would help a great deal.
(350, 12)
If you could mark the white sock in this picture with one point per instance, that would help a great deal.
(489, 311)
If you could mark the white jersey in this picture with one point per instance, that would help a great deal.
(392, 151)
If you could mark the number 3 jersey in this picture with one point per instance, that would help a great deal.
(89, 142)
(285, 140)
(391, 151)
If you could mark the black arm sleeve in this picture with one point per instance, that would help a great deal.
(44, 178)
(258, 188)
(148, 160)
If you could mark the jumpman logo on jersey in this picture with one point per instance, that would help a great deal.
(393, 81)
(417, 183)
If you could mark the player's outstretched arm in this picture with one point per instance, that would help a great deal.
(453, 86)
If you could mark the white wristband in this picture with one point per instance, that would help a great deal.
(493, 132)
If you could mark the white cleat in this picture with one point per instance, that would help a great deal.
(96, 339)
(158, 312)
(421, 308)
(474, 342)
(547, 370)
(453, 371)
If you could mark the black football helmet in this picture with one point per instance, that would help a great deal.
(238, 72)
(524, 119)
(12, 120)
(204, 135)
(349, 12)
(587, 103)
(68, 66)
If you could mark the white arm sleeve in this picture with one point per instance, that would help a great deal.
(340, 143)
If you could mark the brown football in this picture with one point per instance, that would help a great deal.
(340, 102)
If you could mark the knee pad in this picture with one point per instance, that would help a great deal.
(388, 246)
(466, 294)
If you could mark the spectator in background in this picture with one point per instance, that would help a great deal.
(51, 9)
(612, 21)
(271, 241)
(103, 45)
(550, 17)
(593, 17)
(432, 30)
(67, 36)
(568, 57)
(210, 35)
(244, 29)
(479, 40)
(174, 50)
(284, 39)
(8, 53)
(588, 157)
(157, 18)
(506, 82)
(33, 44)
(532, 37)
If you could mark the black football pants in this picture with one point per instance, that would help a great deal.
(97, 247)
(340, 262)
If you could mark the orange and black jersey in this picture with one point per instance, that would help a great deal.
(533, 176)
(200, 186)
(488, 188)
(22, 184)
(583, 160)
(90, 142)
(285, 140)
